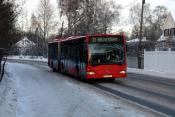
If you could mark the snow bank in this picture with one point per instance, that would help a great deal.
(152, 73)
(30, 58)
(137, 40)
(8, 96)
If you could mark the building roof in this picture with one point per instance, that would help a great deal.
(169, 21)
(25, 42)
(173, 15)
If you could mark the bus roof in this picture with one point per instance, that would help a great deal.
(78, 37)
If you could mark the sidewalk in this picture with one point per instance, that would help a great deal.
(152, 73)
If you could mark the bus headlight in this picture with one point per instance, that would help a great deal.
(122, 72)
(90, 73)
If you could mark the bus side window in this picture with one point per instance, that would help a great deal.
(84, 53)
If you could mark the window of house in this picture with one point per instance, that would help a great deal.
(166, 32)
(172, 31)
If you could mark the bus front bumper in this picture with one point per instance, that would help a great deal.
(98, 76)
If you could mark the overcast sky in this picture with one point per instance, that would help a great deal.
(31, 6)
(127, 4)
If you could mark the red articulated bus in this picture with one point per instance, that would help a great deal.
(89, 57)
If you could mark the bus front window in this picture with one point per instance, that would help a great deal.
(109, 53)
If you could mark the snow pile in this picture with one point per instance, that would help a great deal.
(136, 40)
(8, 96)
(152, 73)
(29, 58)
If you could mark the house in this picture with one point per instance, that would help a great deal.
(25, 46)
(167, 39)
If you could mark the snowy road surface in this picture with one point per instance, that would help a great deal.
(35, 91)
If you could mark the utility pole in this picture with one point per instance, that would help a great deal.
(140, 60)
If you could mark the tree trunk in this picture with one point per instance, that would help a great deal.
(0, 67)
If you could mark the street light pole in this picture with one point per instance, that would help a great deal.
(140, 38)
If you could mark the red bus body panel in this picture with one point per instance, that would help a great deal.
(102, 71)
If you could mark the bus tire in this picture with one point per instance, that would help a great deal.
(62, 68)
(53, 69)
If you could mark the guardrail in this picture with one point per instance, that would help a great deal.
(3, 59)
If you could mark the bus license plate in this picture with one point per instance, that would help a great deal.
(107, 76)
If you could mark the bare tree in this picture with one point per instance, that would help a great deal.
(135, 14)
(158, 17)
(45, 15)
(72, 9)
(88, 16)
(45, 21)
(107, 14)
(34, 23)
(153, 20)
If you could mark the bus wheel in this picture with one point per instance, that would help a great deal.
(53, 69)
(62, 68)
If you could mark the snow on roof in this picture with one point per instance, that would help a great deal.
(162, 38)
(133, 40)
(137, 40)
(25, 42)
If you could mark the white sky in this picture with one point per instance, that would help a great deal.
(124, 20)
(31, 7)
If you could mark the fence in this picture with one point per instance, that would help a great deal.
(3, 52)
(163, 61)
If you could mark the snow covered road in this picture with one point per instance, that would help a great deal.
(35, 91)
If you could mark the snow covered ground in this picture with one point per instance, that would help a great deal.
(8, 96)
(152, 73)
(30, 58)
(35, 91)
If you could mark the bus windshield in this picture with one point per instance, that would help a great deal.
(106, 53)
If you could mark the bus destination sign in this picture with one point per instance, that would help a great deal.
(105, 39)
